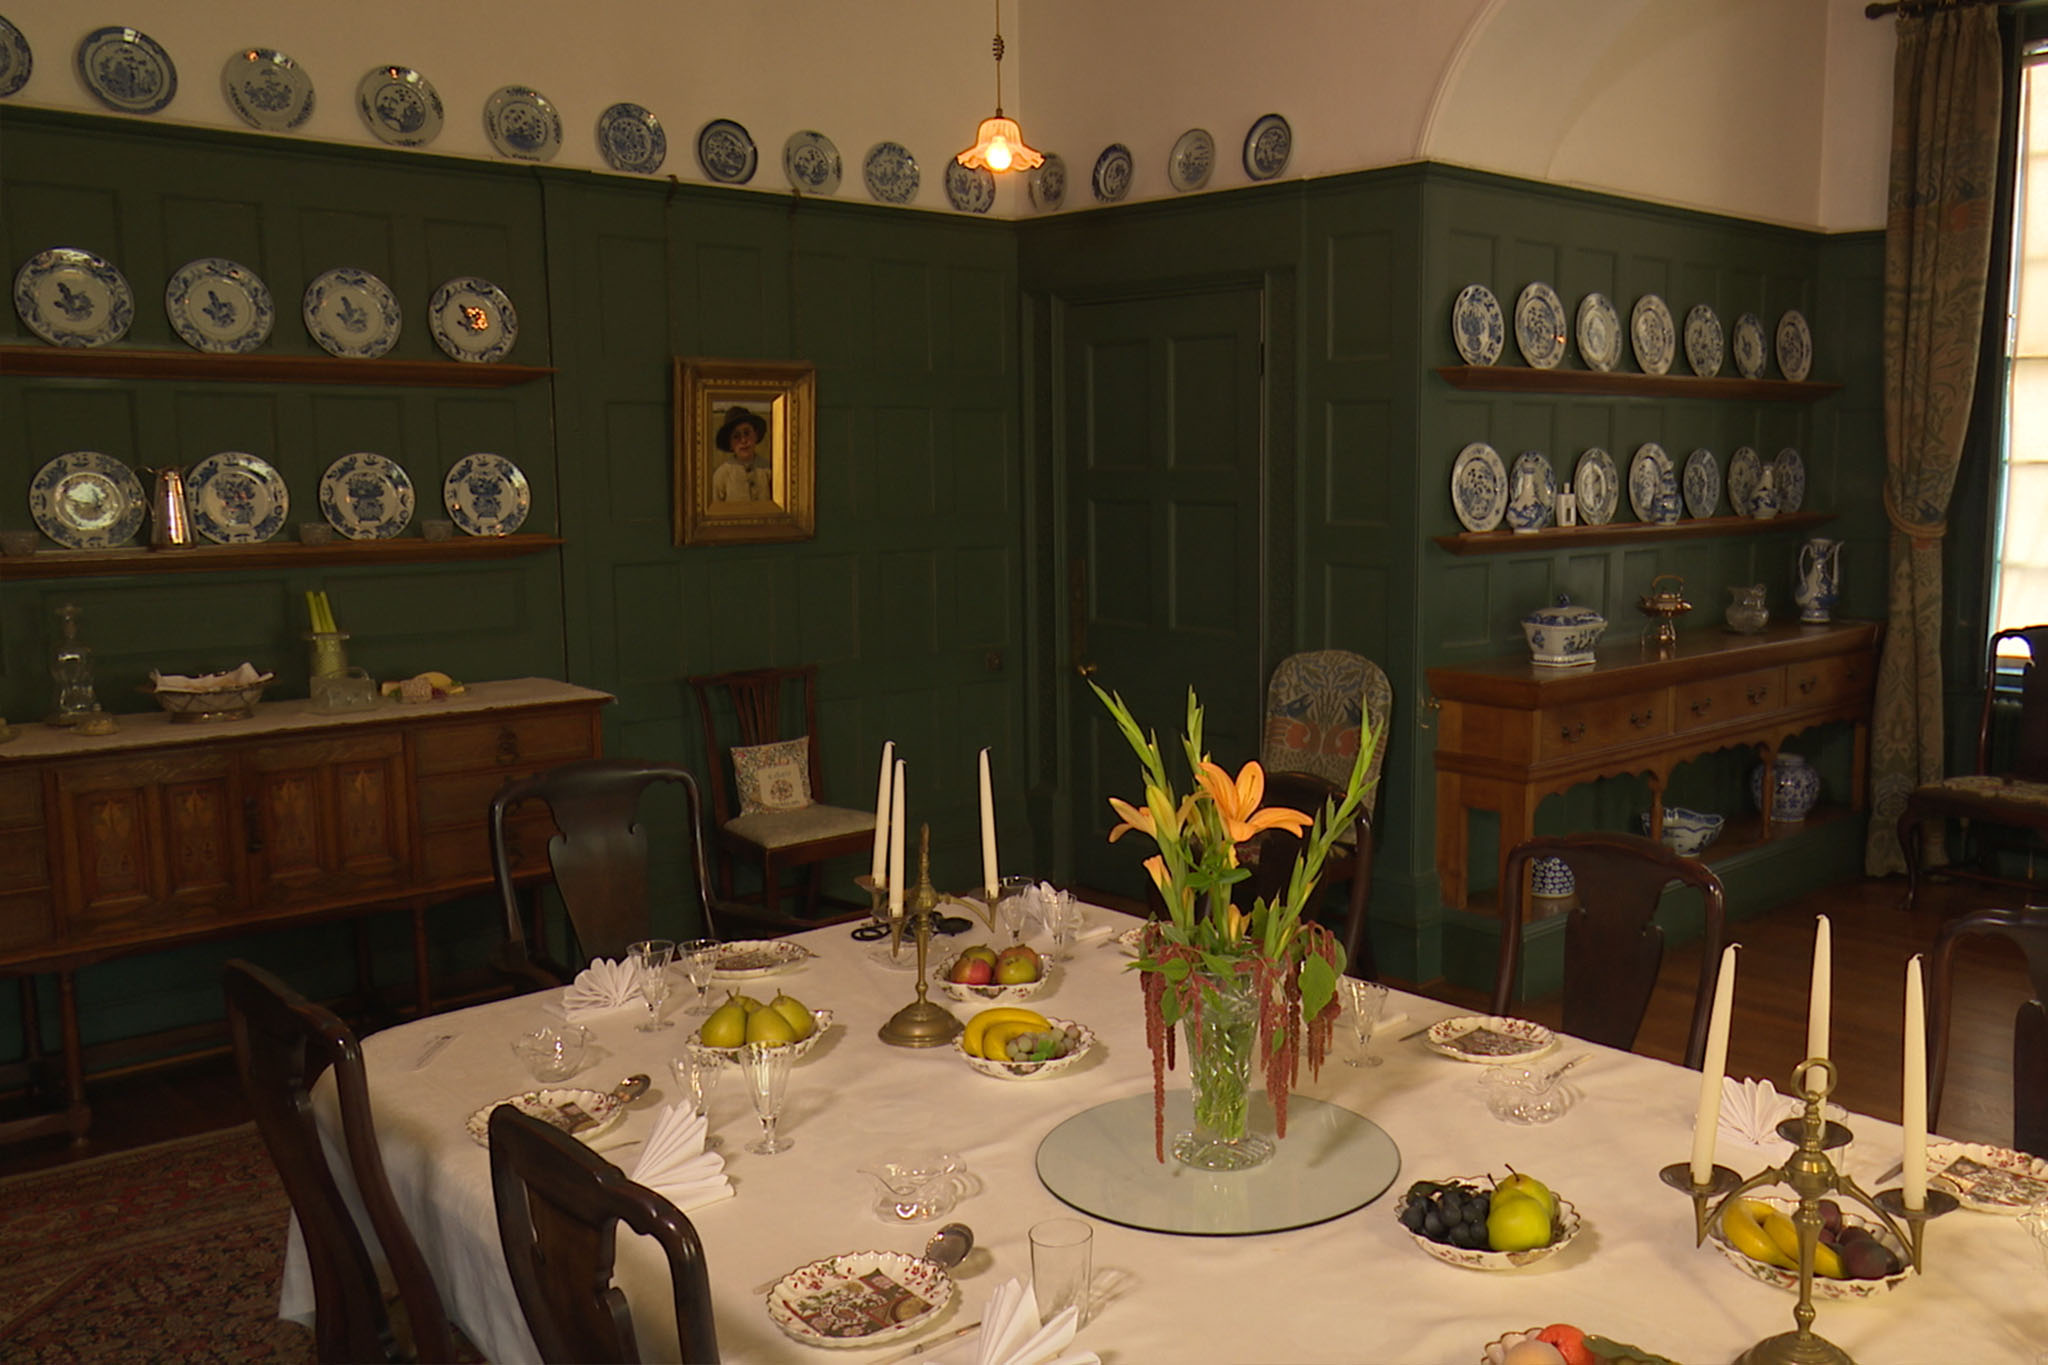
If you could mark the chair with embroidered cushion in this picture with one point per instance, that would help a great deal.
(2028, 929)
(1613, 944)
(283, 1044)
(559, 1207)
(2011, 793)
(767, 787)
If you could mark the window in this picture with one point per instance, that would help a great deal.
(2020, 586)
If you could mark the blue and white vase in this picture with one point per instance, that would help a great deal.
(1551, 878)
(1795, 788)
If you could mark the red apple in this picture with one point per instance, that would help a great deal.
(1570, 1343)
(971, 970)
(1017, 965)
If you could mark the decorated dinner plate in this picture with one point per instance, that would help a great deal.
(399, 106)
(471, 319)
(366, 496)
(726, 152)
(1191, 161)
(267, 89)
(630, 138)
(1047, 183)
(351, 313)
(522, 123)
(1597, 487)
(890, 173)
(1131, 940)
(1751, 350)
(220, 306)
(1791, 480)
(746, 958)
(1477, 325)
(126, 70)
(860, 1298)
(1489, 1039)
(1650, 329)
(1599, 329)
(1112, 178)
(1479, 487)
(1702, 484)
(583, 1114)
(84, 500)
(1653, 485)
(1706, 349)
(1540, 329)
(810, 162)
(1267, 147)
(16, 60)
(970, 189)
(486, 495)
(237, 498)
(1745, 471)
(1795, 345)
(70, 297)
(1988, 1179)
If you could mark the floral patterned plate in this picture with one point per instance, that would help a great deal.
(1988, 1179)
(366, 496)
(486, 495)
(1489, 1039)
(860, 1299)
(560, 1107)
(746, 958)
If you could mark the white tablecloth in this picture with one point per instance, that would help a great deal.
(1352, 1290)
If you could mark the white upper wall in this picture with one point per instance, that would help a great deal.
(1775, 110)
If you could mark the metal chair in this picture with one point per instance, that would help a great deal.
(559, 1208)
(283, 1044)
(1613, 944)
(2029, 930)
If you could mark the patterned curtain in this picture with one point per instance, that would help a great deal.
(1945, 126)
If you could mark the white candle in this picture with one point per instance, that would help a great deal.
(896, 842)
(1706, 1124)
(1913, 1104)
(1819, 998)
(988, 826)
(880, 865)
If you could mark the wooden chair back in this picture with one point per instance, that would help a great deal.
(559, 1208)
(746, 708)
(2029, 930)
(283, 1044)
(2030, 748)
(1613, 944)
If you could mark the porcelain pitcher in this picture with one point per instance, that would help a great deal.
(1819, 579)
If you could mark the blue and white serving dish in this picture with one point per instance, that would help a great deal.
(70, 297)
(266, 89)
(237, 498)
(1564, 635)
(970, 189)
(1649, 327)
(1705, 346)
(16, 60)
(810, 162)
(219, 306)
(522, 123)
(1597, 487)
(399, 106)
(486, 495)
(1702, 484)
(472, 320)
(366, 497)
(84, 500)
(725, 151)
(1795, 345)
(890, 172)
(1477, 325)
(1791, 480)
(1653, 485)
(630, 138)
(1752, 352)
(1112, 178)
(126, 70)
(1267, 147)
(1599, 329)
(1687, 832)
(1479, 487)
(1193, 158)
(1532, 492)
(1745, 471)
(1047, 183)
(1540, 329)
(351, 313)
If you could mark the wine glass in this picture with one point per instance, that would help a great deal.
(1366, 1000)
(766, 1066)
(1064, 918)
(1014, 899)
(699, 957)
(652, 957)
(697, 1072)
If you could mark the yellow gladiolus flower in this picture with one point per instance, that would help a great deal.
(1237, 802)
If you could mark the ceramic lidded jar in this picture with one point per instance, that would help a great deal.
(1795, 788)
(1563, 636)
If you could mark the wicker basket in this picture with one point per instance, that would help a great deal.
(226, 703)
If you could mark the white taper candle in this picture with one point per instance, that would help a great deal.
(896, 841)
(988, 826)
(880, 865)
(1819, 999)
(1913, 1103)
(1706, 1124)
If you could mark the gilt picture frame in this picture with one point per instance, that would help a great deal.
(744, 449)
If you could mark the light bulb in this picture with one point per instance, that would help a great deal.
(999, 155)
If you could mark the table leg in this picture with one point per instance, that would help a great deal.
(77, 1113)
(423, 986)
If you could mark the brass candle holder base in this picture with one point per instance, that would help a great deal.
(920, 1023)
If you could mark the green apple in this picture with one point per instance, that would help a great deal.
(767, 1026)
(1517, 1222)
(727, 1026)
(796, 1014)
(1015, 966)
(1517, 1183)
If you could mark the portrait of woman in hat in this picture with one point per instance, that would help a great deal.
(745, 474)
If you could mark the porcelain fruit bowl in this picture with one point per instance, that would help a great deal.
(995, 993)
(1688, 832)
(1080, 1040)
(797, 1050)
(1823, 1287)
(1564, 1227)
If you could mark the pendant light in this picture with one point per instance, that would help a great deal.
(999, 143)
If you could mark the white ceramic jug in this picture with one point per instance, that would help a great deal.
(1819, 579)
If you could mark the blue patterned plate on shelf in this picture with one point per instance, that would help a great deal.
(1705, 346)
(237, 498)
(84, 500)
(1047, 183)
(1597, 486)
(70, 297)
(471, 319)
(126, 71)
(219, 306)
(1599, 328)
(351, 313)
(486, 495)
(1795, 348)
(1539, 326)
(1532, 492)
(16, 61)
(726, 152)
(1112, 178)
(399, 106)
(1653, 485)
(1477, 325)
(1479, 487)
(522, 124)
(629, 137)
(1745, 472)
(1192, 159)
(810, 162)
(890, 173)
(266, 89)
(1751, 351)
(970, 189)
(1791, 480)
(1649, 327)
(1702, 484)
(366, 497)
(1267, 147)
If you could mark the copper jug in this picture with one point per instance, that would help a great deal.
(170, 516)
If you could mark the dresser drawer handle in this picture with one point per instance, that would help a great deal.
(1756, 695)
(1571, 734)
(1641, 718)
(508, 745)
(1702, 706)
(1808, 683)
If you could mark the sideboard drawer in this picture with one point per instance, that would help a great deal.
(514, 741)
(1721, 701)
(1573, 730)
(1837, 678)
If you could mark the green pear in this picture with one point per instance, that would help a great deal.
(796, 1014)
(727, 1026)
(767, 1026)
(749, 1004)
(1517, 1183)
(1517, 1222)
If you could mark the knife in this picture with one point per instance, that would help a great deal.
(936, 1342)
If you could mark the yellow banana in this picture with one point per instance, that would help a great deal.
(1784, 1234)
(971, 1039)
(996, 1038)
(1747, 1236)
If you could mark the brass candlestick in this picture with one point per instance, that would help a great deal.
(920, 1023)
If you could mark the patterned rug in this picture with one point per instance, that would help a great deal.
(170, 1252)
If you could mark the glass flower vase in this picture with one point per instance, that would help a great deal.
(1222, 1043)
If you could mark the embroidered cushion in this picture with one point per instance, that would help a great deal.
(773, 777)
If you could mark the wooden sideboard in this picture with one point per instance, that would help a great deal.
(1510, 733)
(166, 833)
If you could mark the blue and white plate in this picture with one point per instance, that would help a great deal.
(351, 313)
(399, 106)
(1597, 487)
(1706, 349)
(629, 138)
(810, 162)
(1479, 487)
(1599, 328)
(126, 71)
(1477, 325)
(486, 495)
(267, 89)
(366, 497)
(522, 124)
(1653, 485)
(219, 306)
(1047, 183)
(1795, 347)
(1745, 472)
(1791, 480)
(16, 61)
(726, 152)
(970, 189)
(471, 319)
(1192, 159)
(890, 173)
(70, 297)
(1649, 327)
(1702, 484)
(1112, 178)
(1540, 326)
(1752, 352)
(84, 500)
(1267, 147)
(237, 498)
(1532, 492)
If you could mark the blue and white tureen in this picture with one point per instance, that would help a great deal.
(1563, 636)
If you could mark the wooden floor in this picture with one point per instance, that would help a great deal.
(1873, 937)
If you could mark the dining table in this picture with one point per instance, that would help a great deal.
(1353, 1289)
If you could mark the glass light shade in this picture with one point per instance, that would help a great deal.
(999, 145)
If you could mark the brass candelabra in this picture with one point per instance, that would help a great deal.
(920, 1023)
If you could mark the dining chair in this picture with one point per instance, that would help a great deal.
(1613, 944)
(559, 1207)
(284, 1043)
(2028, 928)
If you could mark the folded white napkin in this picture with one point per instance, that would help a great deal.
(675, 1165)
(245, 676)
(1751, 1110)
(1010, 1334)
(603, 985)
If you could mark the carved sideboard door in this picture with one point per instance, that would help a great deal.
(327, 817)
(151, 844)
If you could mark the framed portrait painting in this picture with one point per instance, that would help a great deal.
(743, 451)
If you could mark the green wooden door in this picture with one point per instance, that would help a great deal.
(1164, 452)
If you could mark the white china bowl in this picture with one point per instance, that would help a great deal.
(1564, 1227)
(1788, 1280)
(798, 1050)
(993, 994)
(1688, 832)
(1030, 1071)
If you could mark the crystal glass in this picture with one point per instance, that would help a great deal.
(553, 1052)
(1365, 1002)
(1016, 901)
(766, 1067)
(1064, 918)
(652, 957)
(1062, 1256)
(697, 1072)
(699, 957)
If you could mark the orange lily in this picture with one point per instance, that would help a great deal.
(1142, 819)
(1156, 866)
(1237, 802)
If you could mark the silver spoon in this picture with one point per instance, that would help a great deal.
(631, 1088)
(945, 1248)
